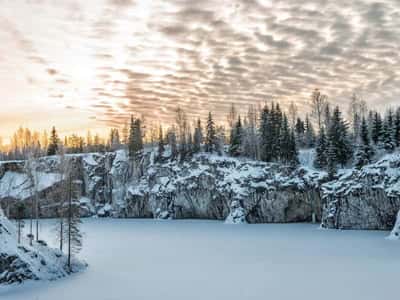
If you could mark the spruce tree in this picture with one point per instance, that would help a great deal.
(161, 145)
(388, 141)
(397, 127)
(183, 146)
(131, 138)
(53, 143)
(293, 155)
(198, 137)
(321, 156)
(210, 140)
(338, 139)
(235, 147)
(276, 124)
(73, 221)
(376, 128)
(364, 152)
(300, 131)
(173, 143)
(265, 135)
(389, 132)
(135, 145)
(190, 145)
(284, 141)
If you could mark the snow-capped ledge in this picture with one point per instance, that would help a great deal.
(21, 262)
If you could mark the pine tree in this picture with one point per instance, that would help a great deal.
(135, 145)
(397, 127)
(131, 139)
(293, 154)
(265, 135)
(183, 146)
(235, 148)
(53, 144)
(125, 134)
(300, 131)
(74, 236)
(321, 158)
(190, 145)
(161, 145)
(389, 132)
(284, 141)
(210, 140)
(376, 128)
(198, 137)
(172, 143)
(115, 141)
(20, 209)
(288, 151)
(364, 152)
(277, 117)
(338, 139)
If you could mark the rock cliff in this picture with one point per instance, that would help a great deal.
(215, 187)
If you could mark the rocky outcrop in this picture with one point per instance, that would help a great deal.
(216, 187)
(206, 186)
(237, 214)
(91, 180)
(20, 262)
(364, 199)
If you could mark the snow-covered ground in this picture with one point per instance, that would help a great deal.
(149, 259)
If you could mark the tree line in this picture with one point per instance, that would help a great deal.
(267, 133)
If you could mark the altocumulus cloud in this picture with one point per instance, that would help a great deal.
(148, 57)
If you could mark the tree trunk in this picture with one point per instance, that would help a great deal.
(69, 221)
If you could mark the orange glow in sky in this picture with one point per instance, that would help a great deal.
(82, 65)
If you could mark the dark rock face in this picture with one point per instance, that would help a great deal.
(364, 199)
(206, 186)
(14, 270)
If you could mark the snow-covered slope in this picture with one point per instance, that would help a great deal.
(17, 185)
(20, 262)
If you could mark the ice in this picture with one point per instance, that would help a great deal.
(149, 259)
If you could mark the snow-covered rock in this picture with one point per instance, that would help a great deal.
(395, 233)
(205, 186)
(364, 199)
(237, 214)
(20, 262)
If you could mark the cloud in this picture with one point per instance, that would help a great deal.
(51, 71)
(148, 57)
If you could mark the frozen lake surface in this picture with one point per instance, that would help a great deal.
(148, 259)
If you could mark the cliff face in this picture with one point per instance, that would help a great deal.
(214, 187)
(364, 199)
(206, 186)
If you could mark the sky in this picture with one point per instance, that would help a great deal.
(90, 64)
